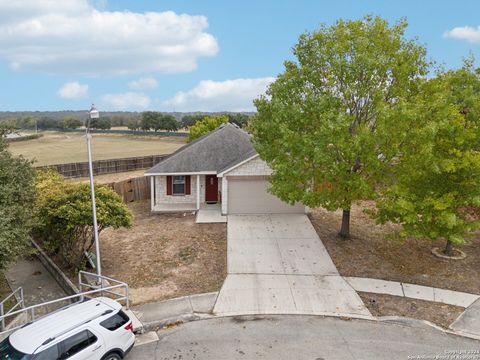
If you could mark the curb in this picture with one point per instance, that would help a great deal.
(55, 271)
(177, 310)
(199, 307)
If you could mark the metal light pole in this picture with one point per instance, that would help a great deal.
(93, 114)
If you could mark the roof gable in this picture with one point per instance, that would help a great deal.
(224, 147)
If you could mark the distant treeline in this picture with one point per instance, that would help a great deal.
(146, 121)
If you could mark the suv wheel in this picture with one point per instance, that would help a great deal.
(112, 356)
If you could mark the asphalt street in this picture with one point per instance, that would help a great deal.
(304, 337)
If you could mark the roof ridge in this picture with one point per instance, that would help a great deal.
(233, 136)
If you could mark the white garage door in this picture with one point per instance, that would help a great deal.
(251, 197)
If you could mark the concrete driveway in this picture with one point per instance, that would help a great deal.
(278, 265)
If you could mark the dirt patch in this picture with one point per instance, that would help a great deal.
(388, 305)
(165, 255)
(370, 253)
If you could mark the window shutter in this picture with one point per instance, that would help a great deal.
(188, 187)
(169, 185)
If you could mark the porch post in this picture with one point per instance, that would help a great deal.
(198, 192)
(152, 192)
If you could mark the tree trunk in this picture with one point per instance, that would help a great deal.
(345, 229)
(448, 248)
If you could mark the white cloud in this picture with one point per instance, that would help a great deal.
(145, 83)
(468, 33)
(74, 37)
(228, 95)
(124, 101)
(73, 90)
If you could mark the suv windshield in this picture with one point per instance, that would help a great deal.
(8, 352)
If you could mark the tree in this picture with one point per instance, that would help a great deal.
(330, 124)
(168, 123)
(208, 124)
(65, 216)
(45, 123)
(433, 187)
(149, 120)
(190, 120)
(238, 119)
(100, 123)
(70, 123)
(7, 127)
(16, 193)
(133, 124)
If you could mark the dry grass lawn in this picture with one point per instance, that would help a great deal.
(59, 148)
(369, 254)
(165, 255)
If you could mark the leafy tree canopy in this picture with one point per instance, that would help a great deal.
(332, 121)
(17, 191)
(102, 123)
(157, 121)
(208, 124)
(241, 120)
(190, 120)
(436, 180)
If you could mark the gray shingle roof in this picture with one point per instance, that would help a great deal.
(221, 149)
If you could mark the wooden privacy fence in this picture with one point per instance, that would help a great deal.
(80, 169)
(132, 189)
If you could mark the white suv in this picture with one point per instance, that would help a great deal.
(95, 329)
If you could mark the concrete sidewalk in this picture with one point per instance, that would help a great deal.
(413, 291)
(468, 322)
(278, 265)
(37, 283)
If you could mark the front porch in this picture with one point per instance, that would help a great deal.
(207, 214)
(184, 192)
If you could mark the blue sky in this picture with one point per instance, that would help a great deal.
(186, 55)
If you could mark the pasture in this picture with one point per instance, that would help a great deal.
(60, 148)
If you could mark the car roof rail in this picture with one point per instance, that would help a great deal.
(52, 338)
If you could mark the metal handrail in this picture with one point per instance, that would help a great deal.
(19, 303)
(96, 289)
(99, 281)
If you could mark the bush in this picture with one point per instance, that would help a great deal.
(64, 214)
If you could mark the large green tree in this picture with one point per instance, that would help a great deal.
(17, 193)
(435, 183)
(203, 127)
(330, 124)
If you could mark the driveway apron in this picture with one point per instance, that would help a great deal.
(278, 265)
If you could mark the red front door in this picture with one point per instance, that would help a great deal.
(211, 188)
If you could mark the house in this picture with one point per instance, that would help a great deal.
(221, 168)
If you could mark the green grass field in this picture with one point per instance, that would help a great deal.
(60, 148)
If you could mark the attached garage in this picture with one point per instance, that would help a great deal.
(249, 195)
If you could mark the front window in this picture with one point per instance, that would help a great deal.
(178, 185)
